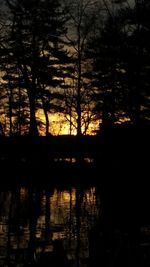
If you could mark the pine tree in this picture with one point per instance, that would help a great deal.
(120, 56)
(36, 45)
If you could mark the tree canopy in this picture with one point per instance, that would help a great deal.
(88, 61)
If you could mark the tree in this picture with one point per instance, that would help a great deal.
(82, 16)
(36, 47)
(120, 58)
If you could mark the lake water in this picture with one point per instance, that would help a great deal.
(32, 220)
(74, 226)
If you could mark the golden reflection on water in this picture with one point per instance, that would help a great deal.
(23, 193)
(38, 217)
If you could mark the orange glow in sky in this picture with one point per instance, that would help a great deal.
(60, 126)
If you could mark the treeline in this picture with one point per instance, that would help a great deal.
(88, 60)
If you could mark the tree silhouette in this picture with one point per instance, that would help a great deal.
(120, 66)
(84, 60)
(35, 47)
(81, 20)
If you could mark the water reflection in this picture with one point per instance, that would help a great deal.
(74, 227)
(38, 225)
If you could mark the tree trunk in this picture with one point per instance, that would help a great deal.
(33, 130)
(79, 86)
